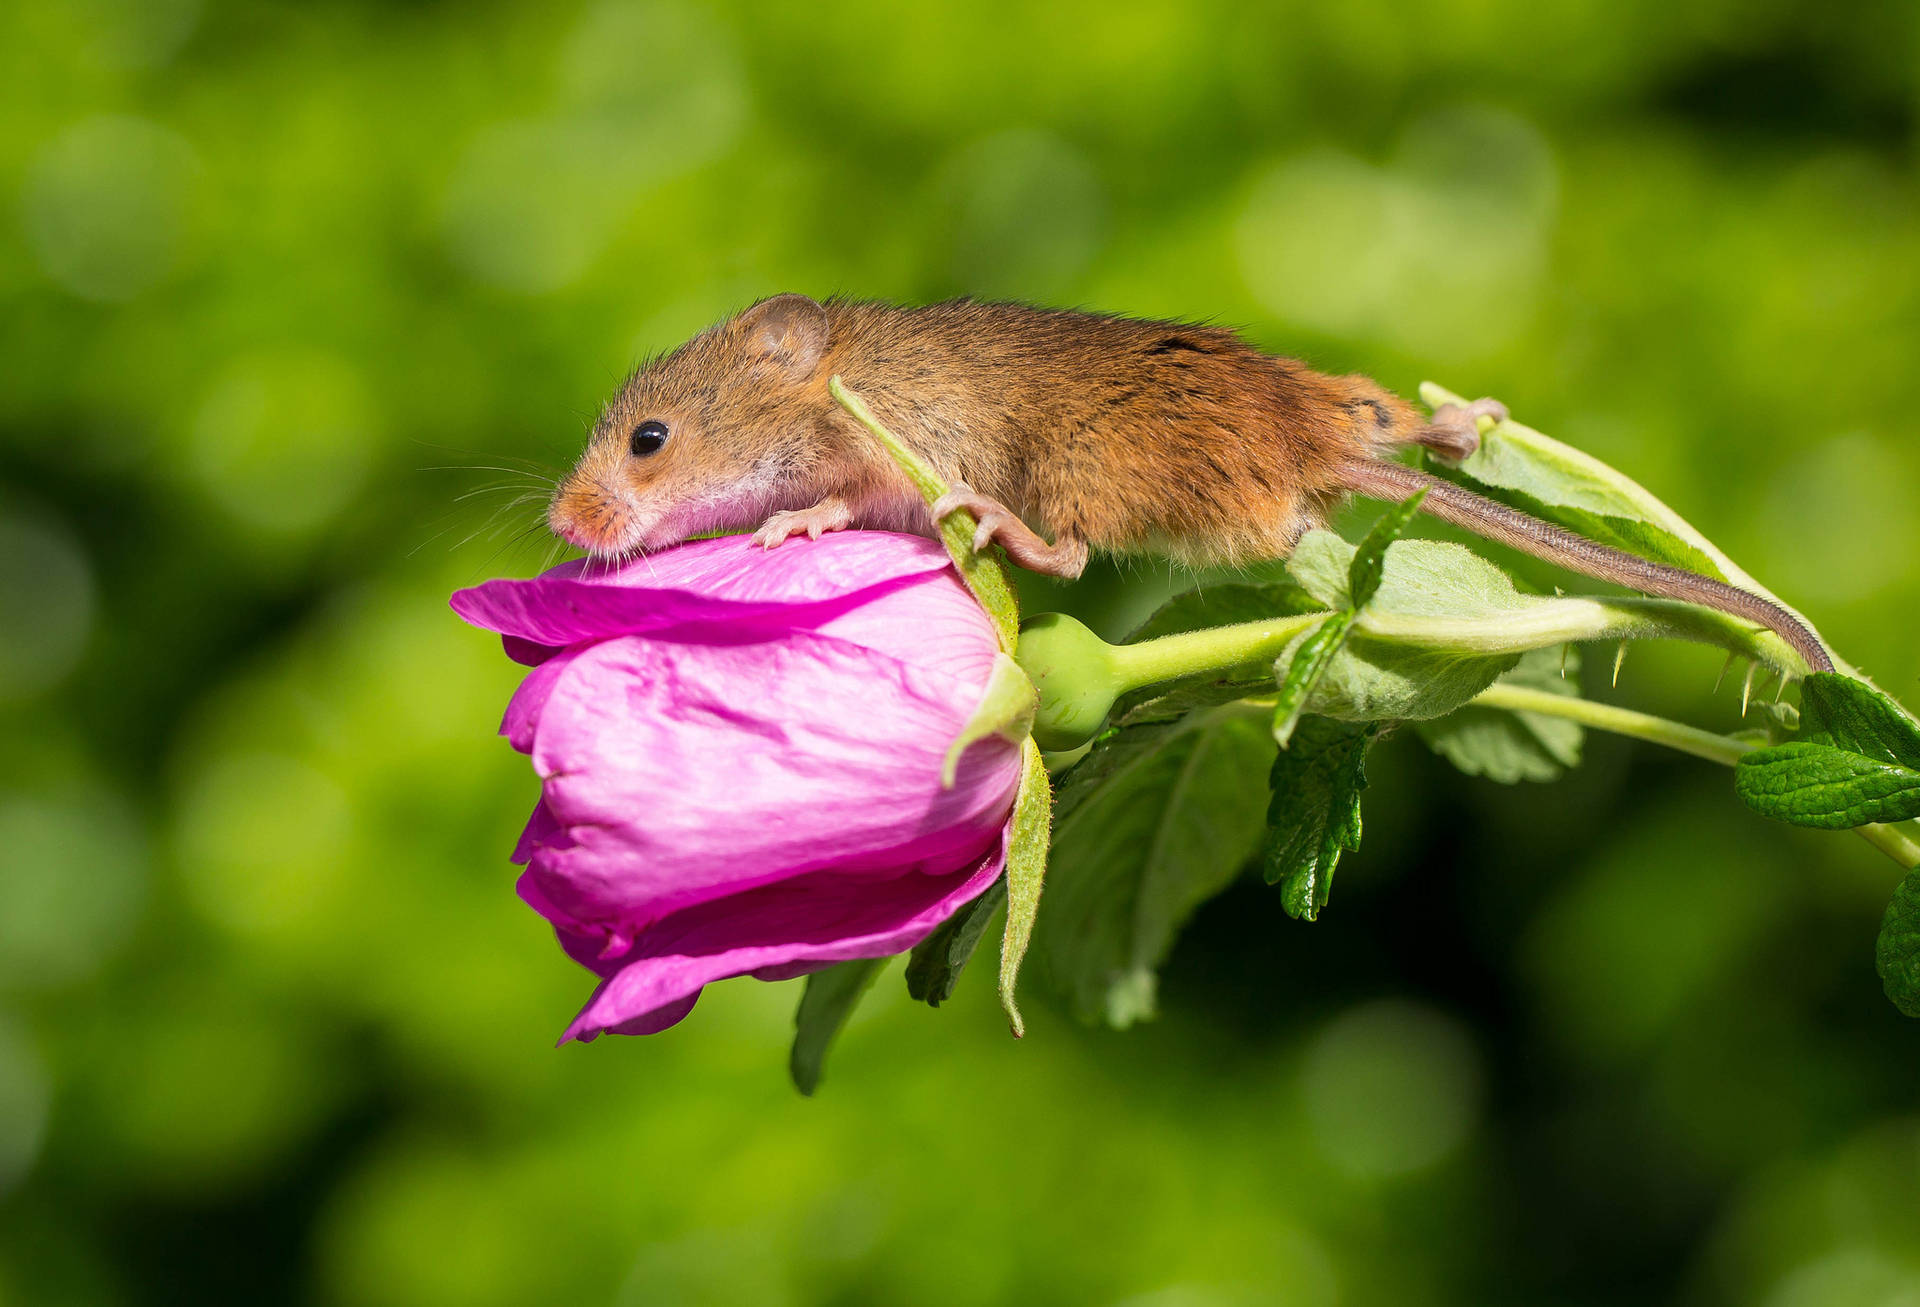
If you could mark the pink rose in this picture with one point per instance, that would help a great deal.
(740, 760)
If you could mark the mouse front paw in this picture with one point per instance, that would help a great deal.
(827, 515)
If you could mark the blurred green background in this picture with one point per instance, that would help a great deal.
(282, 282)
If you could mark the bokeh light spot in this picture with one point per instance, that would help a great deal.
(141, 33)
(23, 1103)
(1391, 1088)
(282, 441)
(262, 840)
(206, 1092)
(46, 601)
(72, 879)
(1441, 251)
(1028, 213)
(647, 91)
(106, 204)
(1854, 1277)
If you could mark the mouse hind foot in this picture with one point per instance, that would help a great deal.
(1454, 433)
(1066, 557)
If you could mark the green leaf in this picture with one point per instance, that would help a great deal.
(985, 573)
(1422, 581)
(1026, 870)
(1314, 813)
(1370, 558)
(1541, 476)
(934, 966)
(828, 1001)
(1314, 656)
(1896, 955)
(1515, 746)
(1155, 820)
(1825, 787)
(1005, 709)
(1850, 714)
(1855, 761)
(1307, 665)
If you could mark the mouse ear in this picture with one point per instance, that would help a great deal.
(788, 331)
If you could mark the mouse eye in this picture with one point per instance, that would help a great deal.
(647, 438)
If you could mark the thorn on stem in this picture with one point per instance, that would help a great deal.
(1619, 657)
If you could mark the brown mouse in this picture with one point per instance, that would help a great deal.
(1105, 432)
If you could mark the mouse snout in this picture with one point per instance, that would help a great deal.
(592, 515)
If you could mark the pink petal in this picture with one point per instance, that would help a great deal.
(523, 710)
(680, 771)
(783, 929)
(932, 620)
(729, 578)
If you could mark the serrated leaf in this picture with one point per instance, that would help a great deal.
(1155, 820)
(829, 999)
(1825, 787)
(1515, 746)
(1370, 557)
(1312, 657)
(934, 966)
(1027, 844)
(1426, 580)
(1306, 666)
(1896, 954)
(1850, 714)
(1855, 761)
(1313, 815)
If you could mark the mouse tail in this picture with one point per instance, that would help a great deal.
(1394, 482)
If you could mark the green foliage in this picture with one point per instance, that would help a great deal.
(1155, 820)
(275, 1029)
(825, 1004)
(1856, 760)
(934, 966)
(1514, 746)
(1550, 480)
(1027, 839)
(1210, 606)
(1896, 954)
(1434, 585)
(1314, 814)
(1307, 666)
(1370, 557)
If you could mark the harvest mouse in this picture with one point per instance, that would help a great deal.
(1103, 432)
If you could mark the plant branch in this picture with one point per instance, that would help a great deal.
(1723, 749)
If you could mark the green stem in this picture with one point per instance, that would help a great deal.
(1538, 625)
(1723, 749)
(1215, 650)
(1577, 618)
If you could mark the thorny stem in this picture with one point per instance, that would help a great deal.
(1538, 626)
(1723, 749)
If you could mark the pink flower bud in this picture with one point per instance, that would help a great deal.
(740, 760)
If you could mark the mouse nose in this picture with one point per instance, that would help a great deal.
(588, 517)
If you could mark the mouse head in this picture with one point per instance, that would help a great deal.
(716, 435)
